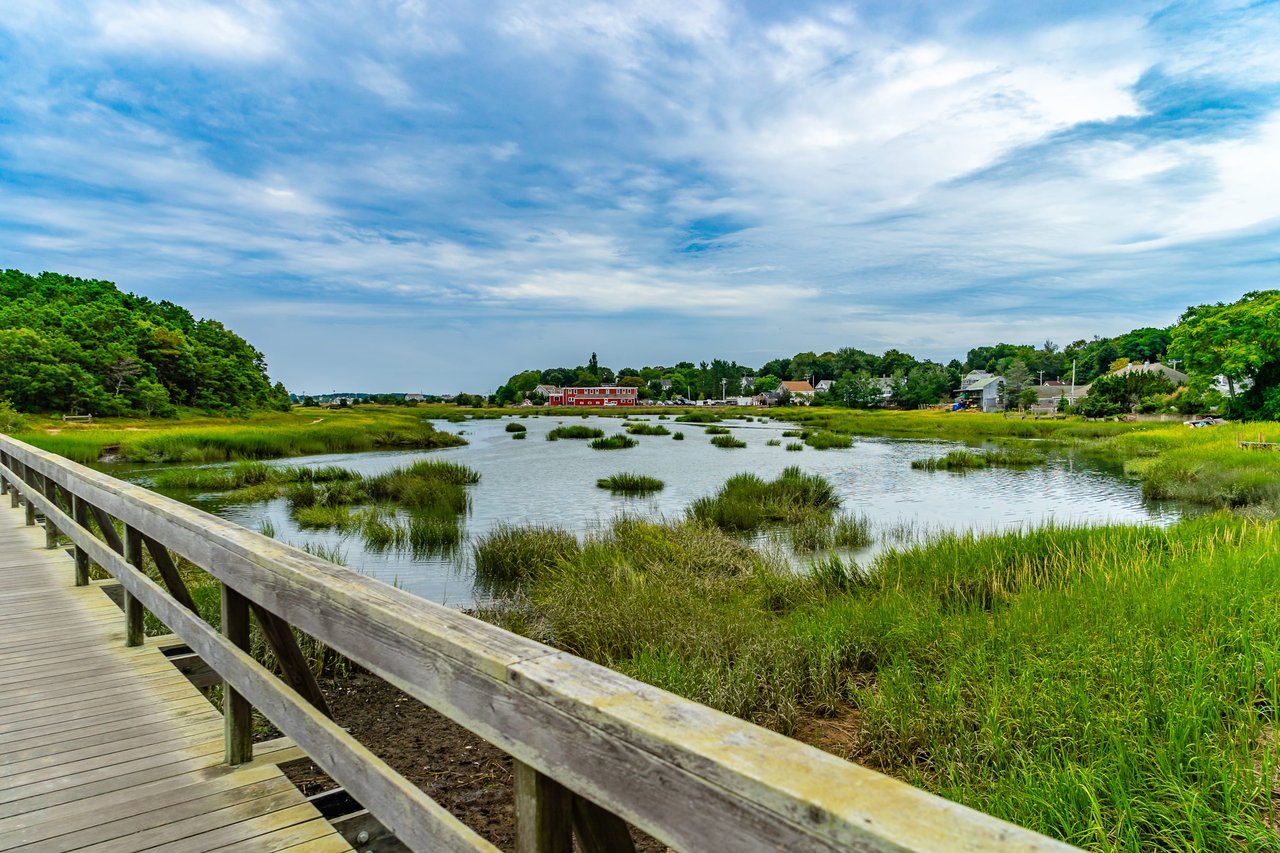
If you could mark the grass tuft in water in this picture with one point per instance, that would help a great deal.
(511, 554)
(516, 427)
(728, 441)
(647, 429)
(575, 431)
(631, 483)
(613, 442)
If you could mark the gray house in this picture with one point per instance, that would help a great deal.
(980, 390)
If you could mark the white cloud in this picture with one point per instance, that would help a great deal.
(177, 28)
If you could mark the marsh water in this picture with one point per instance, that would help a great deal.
(554, 483)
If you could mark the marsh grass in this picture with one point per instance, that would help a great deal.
(746, 503)
(1115, 687)
(677, 436)
(642, 428)
(716, 430)
(513, 426)
(963, 460)
(795, 446)
(699, 418)
(828, 440)
(613, 442)
(511, 554)
(631, 483)
(774, 442)
(520, 436)
(574, 431)
(728, 441)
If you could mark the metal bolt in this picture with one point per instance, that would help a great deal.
(362, 836)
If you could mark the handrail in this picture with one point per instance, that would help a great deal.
(591, 745)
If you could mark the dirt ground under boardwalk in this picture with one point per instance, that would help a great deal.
(461, 771)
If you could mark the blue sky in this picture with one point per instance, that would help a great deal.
(431, 196)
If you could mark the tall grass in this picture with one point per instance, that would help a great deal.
(575, 431)
(1116, 687)
(825, 440)
(728, 441)
(509, 554)
(699, 418)
(746, 502)
(961, 460)
(632, 483)
(613, 442)
(647, 429)
(716, 430)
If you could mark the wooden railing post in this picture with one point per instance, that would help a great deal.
(134, 635)
(544, 812)
(237, 713)
(50, 529)
(31, 508)
(80, 513)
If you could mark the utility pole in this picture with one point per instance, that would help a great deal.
(1073, 381)
(1041, 377)
(723, 382)
(1173, 362)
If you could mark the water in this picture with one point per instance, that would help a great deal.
(543, 482)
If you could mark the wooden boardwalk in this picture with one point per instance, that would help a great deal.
(108, 748)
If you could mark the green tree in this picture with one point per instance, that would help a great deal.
(1240, 341)
(1016, 378)
(857, 390)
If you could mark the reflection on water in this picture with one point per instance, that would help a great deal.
(555, 483)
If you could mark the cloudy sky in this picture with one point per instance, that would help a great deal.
(431, 196)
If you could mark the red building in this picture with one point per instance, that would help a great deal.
(605, 395)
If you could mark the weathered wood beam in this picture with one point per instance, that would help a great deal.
(544, 812)
(168, 571)
(600, 830)
(293, 665)
(236, 710)
(134, 635)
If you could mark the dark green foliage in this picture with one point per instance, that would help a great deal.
(795, 446)
(633, 483)
(81, 345)
(515, 427)
(520, 435)
(613, 442)
(727, 441)
(678, 436)
(961, 460)
(717, 430)
(699, 418)
(574, 432)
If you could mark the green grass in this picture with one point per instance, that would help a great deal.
(509, 554)
(303, 432)
(1116, 687)
(520, 436)
(613, 442)
(699, 418)
(631, 483)
(773, 442)
(575, 431)
(962, 460)
(746, 503)
(728, 441)
(795, 446)
(677, 436)
(516, 427)
(647, 429)
(716, 430)
(825, 440)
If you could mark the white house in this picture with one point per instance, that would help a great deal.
(824, 386)
(980, 390)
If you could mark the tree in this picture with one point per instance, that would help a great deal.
(857, 390)
(593, 366)
(1240, 341)
(1015, 379)
(150, 396)
(768, 382)
(1028, 398)
(925, 384)
(1123, 392)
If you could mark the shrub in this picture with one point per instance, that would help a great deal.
(516, 427)
(677, 436)
(647, 429)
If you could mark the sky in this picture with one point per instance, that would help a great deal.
(422, 196)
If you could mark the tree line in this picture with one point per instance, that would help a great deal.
(1239, 341)
(76, 345)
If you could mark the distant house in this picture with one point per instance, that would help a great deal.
(1050, 393)
(980, 390)
(799, 389)
(665, 384)
(886, 384)
(414, 398)
(545, 390)
(1177, 377)
(604, 395)
(768, 398)
(824, 386)
(748, 382)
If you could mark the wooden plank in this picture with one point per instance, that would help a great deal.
(316, 835)
(134, 635)
(544, 812)
(169, 574)
(236, 710)
(146, 829)
(80, 515)
(33, 762)
(293, 666)
(102, 721)
(65, 818)
(600, 831)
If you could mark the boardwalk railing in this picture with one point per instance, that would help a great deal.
(593, 750)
